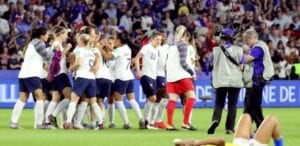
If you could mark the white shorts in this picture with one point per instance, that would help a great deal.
(246, 142)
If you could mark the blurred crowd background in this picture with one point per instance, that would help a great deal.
(276, 21)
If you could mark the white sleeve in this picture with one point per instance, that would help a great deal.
(144, 50)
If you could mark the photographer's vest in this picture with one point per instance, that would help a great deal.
(267, 62)
(225, 73)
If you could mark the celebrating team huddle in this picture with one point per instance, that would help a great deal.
(73, 81)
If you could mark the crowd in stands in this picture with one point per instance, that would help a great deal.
(276, 21)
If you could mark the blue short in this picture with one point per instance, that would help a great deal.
(29, 84)
(148, 85)
(60, 82)
(103, 87)
(85, 86)
(160, 82)
(46, 87)
(123, 87)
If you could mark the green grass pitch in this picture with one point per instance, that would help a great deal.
(289, 118)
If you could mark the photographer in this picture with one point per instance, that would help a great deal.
(261, 71)
(226, 79)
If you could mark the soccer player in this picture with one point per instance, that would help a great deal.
(147, 76)
(61, 83)
(161, 96)
(103, 78)
(269, 128)
(124, 80)
(179, 78)
(191, 61)
(29, 77)
(84, 81)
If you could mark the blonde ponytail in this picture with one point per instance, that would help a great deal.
(180, 33)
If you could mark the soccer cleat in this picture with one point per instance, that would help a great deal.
(150, 127)
(212, 127)
(14, 125)
(67, 126)
(112, 125)
(160, 125)
(78, 126)
(43, 126)
(53, 121)
(126, 126)
(171, 128)
(99, 127)
(142, 124)
(188, 127)
(228, 131)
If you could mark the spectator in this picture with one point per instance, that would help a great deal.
(111, 11)
(3, 7)
(39, 6)
(4, 27)
(146, 20)
(126, 21)
(4, 56)
(11, 11)
(13, 62)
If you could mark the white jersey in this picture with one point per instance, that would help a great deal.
(62, 63)
(191, 57)
(150, 60)
(103, 71)
(111, 66)
(162, 59)
(175, 71)
(88, 58)
(33, 63)
(122, 56)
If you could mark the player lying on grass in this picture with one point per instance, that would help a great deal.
(269, 129)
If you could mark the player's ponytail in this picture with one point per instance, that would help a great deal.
(180, 32)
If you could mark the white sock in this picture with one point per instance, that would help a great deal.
(46, 104)
(154, 113)
(39, 112)
(161, 109)
(122, 111)
(80, 112)
(111, 113)
(103, 113)
(98, 113)
(71, 112)
(17, 111)
(61, 106)
(136, 108)
(63, 116)
(148, 110)
(190, 118)
(50, 109)
(89, 115)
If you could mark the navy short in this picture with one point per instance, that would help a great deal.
(103, 87)
(46, 86)
(60, 82)
(29, 84)
(148, 85)
(161, 82)
(124, 86)
(112, 88)
(86, 87)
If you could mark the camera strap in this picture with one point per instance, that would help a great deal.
(229, 57)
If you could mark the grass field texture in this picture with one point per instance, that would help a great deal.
(289, 118)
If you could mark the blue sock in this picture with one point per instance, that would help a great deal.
(278, 142)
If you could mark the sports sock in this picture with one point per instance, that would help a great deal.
(136, 108)
(188, 109)
(170, 111)
(122, 111)
(17, 111)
